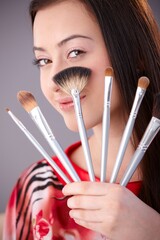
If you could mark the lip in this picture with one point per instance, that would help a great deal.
(66, 103)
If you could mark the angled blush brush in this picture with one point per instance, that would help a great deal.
(143, 83)
(29, 103)
(106, 121)
(72, 81)
(38, 146)
(149, 134)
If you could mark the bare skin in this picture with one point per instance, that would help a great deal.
(55, 53)
(112, 210)
(109, 209)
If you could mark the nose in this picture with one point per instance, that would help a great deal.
(54, 70)
(52, 85)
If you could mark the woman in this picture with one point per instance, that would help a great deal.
(94, 34)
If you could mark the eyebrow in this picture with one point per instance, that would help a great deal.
(38, 49)
(61, 43)
(72, 37)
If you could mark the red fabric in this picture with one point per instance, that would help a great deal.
(34, 213)
(83, 174)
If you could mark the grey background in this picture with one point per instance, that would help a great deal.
(17, 73)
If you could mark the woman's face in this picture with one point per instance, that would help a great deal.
(66, 35)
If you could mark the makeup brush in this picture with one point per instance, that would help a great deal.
(143, 83)
(38, 146)
(30, 105)
(106, 121)
(72, 81)
(149, 134)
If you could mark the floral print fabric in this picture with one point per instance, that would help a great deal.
(38, 210)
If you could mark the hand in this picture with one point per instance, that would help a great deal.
(112, 210)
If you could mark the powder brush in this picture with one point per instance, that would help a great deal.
(149, 134)
(143, 83)
(29, 103)
(106, 121)
(72, 81)
(38, 146)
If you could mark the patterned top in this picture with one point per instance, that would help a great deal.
(33, 212)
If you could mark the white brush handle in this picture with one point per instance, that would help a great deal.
(149, 135)
(63, 158)
(105, 126)
(127, 132)
(39, 147)
(43, 126)
(82, 132)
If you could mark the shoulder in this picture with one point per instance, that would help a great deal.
(41, 171)
(38, 173)
(33, 192)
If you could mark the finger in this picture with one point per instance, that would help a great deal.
(86, 188)
(90, 225)
(84, 202)
(93, 216)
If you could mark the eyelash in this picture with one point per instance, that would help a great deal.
(80, 52)
(36, 62)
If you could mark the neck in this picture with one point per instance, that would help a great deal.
(95, 142)
(117, 125)
(116, 129)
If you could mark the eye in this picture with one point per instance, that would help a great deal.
(75, 53)
(41, 62)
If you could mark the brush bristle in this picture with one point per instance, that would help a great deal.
(143, 82)
(27, 100)
(109, 72)
(156, 106)
(72, 78)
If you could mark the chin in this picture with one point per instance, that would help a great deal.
(72, 126)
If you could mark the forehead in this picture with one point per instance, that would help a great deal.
(63, 17)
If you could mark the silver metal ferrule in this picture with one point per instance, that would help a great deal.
(17, 121)
(149, 135)
(82, 132)
(140, 92)
(105, 125)
(39, 147)
(43, 126)
(56, 147)
(41, 122)
(108, 90)
(77, 103)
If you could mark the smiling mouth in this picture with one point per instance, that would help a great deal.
(67, 104)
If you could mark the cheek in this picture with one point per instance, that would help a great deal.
(42, 83)
(98, 73)
(102, 60)
(70, 121)
(44, 88)
(46, 82)
(47, 92)
(96, 84)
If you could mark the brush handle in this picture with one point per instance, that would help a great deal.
(105, 126)
(63, 158)
(39, 147)
(82, 132)
(40, 121)
(127, 132)
(43, 126)
(149, 135)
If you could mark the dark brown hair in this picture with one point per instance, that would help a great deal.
(132, 40)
